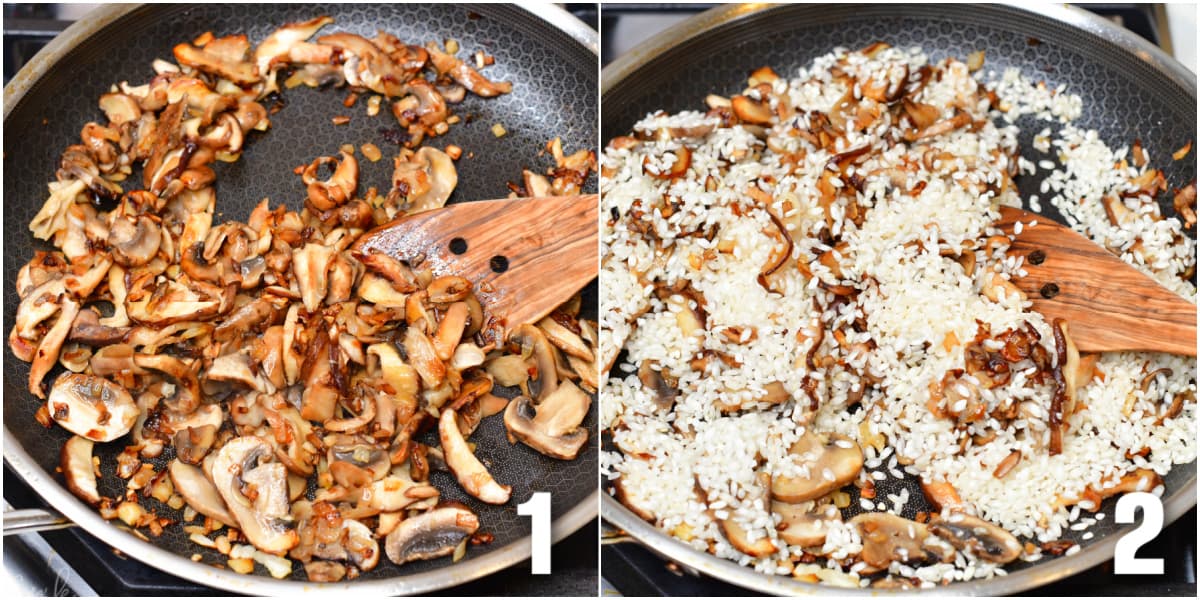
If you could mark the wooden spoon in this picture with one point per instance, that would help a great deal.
(1109, 305)
(525, 256)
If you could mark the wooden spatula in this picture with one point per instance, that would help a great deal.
(525, 256)
(1109, 305)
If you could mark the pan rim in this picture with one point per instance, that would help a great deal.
(652, 538)
(71, 507)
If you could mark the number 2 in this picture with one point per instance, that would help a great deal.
(538, 509)
(1125, 554)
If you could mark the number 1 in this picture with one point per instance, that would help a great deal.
(538, 508)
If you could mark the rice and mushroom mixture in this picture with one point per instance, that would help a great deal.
(269, 381)
(812, 301)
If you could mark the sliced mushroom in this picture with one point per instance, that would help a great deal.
(394, 493)
(833, 460)
(534, 343)
(289, 44)
(360, 453)
(92, 407)
(430, 535)
(423, 357)
(311, 266)
(466, 76)
(424, 180)
(887, 538)
(75, 460)
(193, 443)
(738, 535)
(471, 474)
(656, 383)
(508, 370)
(256, 493)
(568, 341)
(551, 427)
(224, 57)
(87, 330)
(339, 188)
(47, 352)
(234, 368)
(805, 524)
(361, 547)
(983, 539)
(200, 493)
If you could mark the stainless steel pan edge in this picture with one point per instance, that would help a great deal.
(62, 500)
(1175, 505)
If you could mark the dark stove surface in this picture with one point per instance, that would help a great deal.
(632, 570)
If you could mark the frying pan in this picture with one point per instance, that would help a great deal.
(548, 55)
(1129, 88)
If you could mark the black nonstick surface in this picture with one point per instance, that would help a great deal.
(1124, 97)
(554, 94)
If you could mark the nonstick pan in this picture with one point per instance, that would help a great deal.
(1130, 89)
(548, 55)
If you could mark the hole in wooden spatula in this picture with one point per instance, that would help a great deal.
(1049, 290)
(1037, 257)
(458, 245)
(499, 264)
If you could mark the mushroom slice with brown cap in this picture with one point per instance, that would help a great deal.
(431, 534)
(832, 461)
(311, 266)
(551, 427)
(361, 547)
(738, 535)
(224, 57)
(47, 352)
(805, 524)
(234, 368)
(339, 188)
(982, 538)
(466, 76)
(87, 330)
(200, 493)
(75, 460)
(471, 474)
(256, 493)
(393, 493)
(534, 343)
(277, 48)
(134, 240)
(887, 538)
(360, 453)
(424, 358)
(508, 370)
(92, 407)
(568, 341)
(424, 180)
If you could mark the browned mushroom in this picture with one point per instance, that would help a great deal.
(91, 407)
(831, 461)
(224, 57)
(887, 538)
(471, 474)
(465, 75)
(553, 426)
(983, 539)
(431, 534)
(805, 524)
(255, 491)
(75, 460)
(423, 180)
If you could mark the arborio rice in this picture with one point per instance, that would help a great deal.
(812, 299)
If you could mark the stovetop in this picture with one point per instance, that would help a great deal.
(631, 570)
(73, 562)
